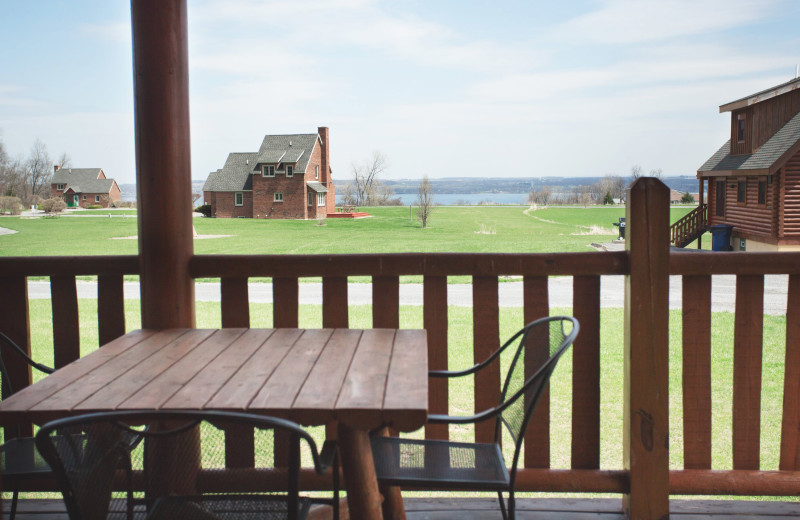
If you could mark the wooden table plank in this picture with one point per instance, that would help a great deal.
(136, 373)
(240, 389)
(360, 401)
(325, 380)
(197, 392)
(281, 389)
(170, 381)
(405, 404)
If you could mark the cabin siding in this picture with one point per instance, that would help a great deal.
(748, 217)
(791, 198)
(762, 121)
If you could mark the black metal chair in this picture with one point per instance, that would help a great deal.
(445, 465)
(19, 459)
(187, 483)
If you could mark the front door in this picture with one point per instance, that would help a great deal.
(76, 200)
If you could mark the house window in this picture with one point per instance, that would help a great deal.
(316, 171)
(84, 197)
(741, 192)
(740, 128)
(60, 187)
(97, 198)
(289, 170)
(268, 170)
(310, 198)
(762, 192)
(238, 198)
(278, 197)
(720, 196)
(320, 199)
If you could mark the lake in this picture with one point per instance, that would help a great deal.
(449, 199)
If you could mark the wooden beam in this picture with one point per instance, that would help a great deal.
(163, 161)
(646, 383)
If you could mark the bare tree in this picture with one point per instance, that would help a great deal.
(367, 187)
(611, 187)
(64, 160)
(424, 201)
(540, 196)
(38, 171)
(636, 171)
(656, 172)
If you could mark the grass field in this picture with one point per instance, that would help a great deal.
(499, 229)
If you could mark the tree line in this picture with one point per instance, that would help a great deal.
(25, 179)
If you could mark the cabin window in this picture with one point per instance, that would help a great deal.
(238, 198)
(740, 128)
(289, 170)
(268, 171)
(741, 192)
(310, 198)
(720, 196)
(320, 199)
(278, 197)
(762, 192)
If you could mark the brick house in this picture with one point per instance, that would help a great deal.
(82, 187)
(289, 177)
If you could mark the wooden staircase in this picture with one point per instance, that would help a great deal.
(689, 228)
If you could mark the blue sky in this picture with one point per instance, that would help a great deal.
(443, 88)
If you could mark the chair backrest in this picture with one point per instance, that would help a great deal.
(91, 457)
(541, 344)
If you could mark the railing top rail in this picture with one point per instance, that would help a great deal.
(747, 263)
(68, 265)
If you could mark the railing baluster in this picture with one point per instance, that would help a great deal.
(235, 302)
(586, 374)
(536, 302)
(334, 302)
(435, 322)
(110, 307)
(285, 302)
(790, 433)
(747, 353)
(697, 372)
(486, 340)
(15, 323)
(66, 330)
(386, 302)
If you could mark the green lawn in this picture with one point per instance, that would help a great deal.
(498, 229)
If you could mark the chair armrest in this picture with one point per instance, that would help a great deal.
(41, 368)
(463, 419)
(327, 457)
(454, 373)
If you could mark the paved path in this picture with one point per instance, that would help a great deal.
(510, 293)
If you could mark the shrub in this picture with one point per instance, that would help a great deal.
(205, 209)
(54, 205)
(95, 206)
(123, 204)
(12, 205)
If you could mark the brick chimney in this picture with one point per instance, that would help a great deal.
(325, 176)
(56, 168)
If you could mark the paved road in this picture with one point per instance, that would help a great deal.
(510, 294)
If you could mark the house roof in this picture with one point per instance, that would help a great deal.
(764, 159)
(293, 148)
(235, 175)
(769, 93)
(82, 180)
(317, 186)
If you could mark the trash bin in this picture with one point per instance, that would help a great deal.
(621, 226)
(721, 237)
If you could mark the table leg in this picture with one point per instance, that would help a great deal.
(363, 498)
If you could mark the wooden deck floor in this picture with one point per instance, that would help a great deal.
(528, 509)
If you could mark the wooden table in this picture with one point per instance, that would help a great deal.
(362, 378)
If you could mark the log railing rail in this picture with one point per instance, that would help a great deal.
(585, 475)
(690, 227)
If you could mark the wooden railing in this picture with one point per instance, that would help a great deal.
(690, 227)
(647, 270)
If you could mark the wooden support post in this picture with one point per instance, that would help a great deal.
(163, 161)
(645, 448)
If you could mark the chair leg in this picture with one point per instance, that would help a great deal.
(14, 500)
(512, 506)
(502, 505)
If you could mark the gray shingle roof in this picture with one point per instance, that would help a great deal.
(235, 175)
(317, 186)
(82, 180)
(286, 148)
(764, 158)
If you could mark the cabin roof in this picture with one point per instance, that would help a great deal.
(752, 99)
(763, 159)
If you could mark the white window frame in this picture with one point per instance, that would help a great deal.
(84, 197)
(59, 187)
(278, 196)
(289, 170)
(320, 199)
(316, 172)
(238, 198)
(268, 170)
(97, 198)
(310, 198)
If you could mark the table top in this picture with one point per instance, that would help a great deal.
(363, 378)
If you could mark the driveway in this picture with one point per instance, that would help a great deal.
(612, 293)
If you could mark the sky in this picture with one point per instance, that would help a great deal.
(444, 88)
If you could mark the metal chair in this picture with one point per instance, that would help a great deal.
(445, 465)
(19, 459)
(187, 482)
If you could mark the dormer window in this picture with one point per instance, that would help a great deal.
(289, 170)
(60, 187)
(268, 170)
(740, 122)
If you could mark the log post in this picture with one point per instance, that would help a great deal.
(163, 161)
(646, 385)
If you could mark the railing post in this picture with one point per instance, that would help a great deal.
(163, 161)
(645, 442)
